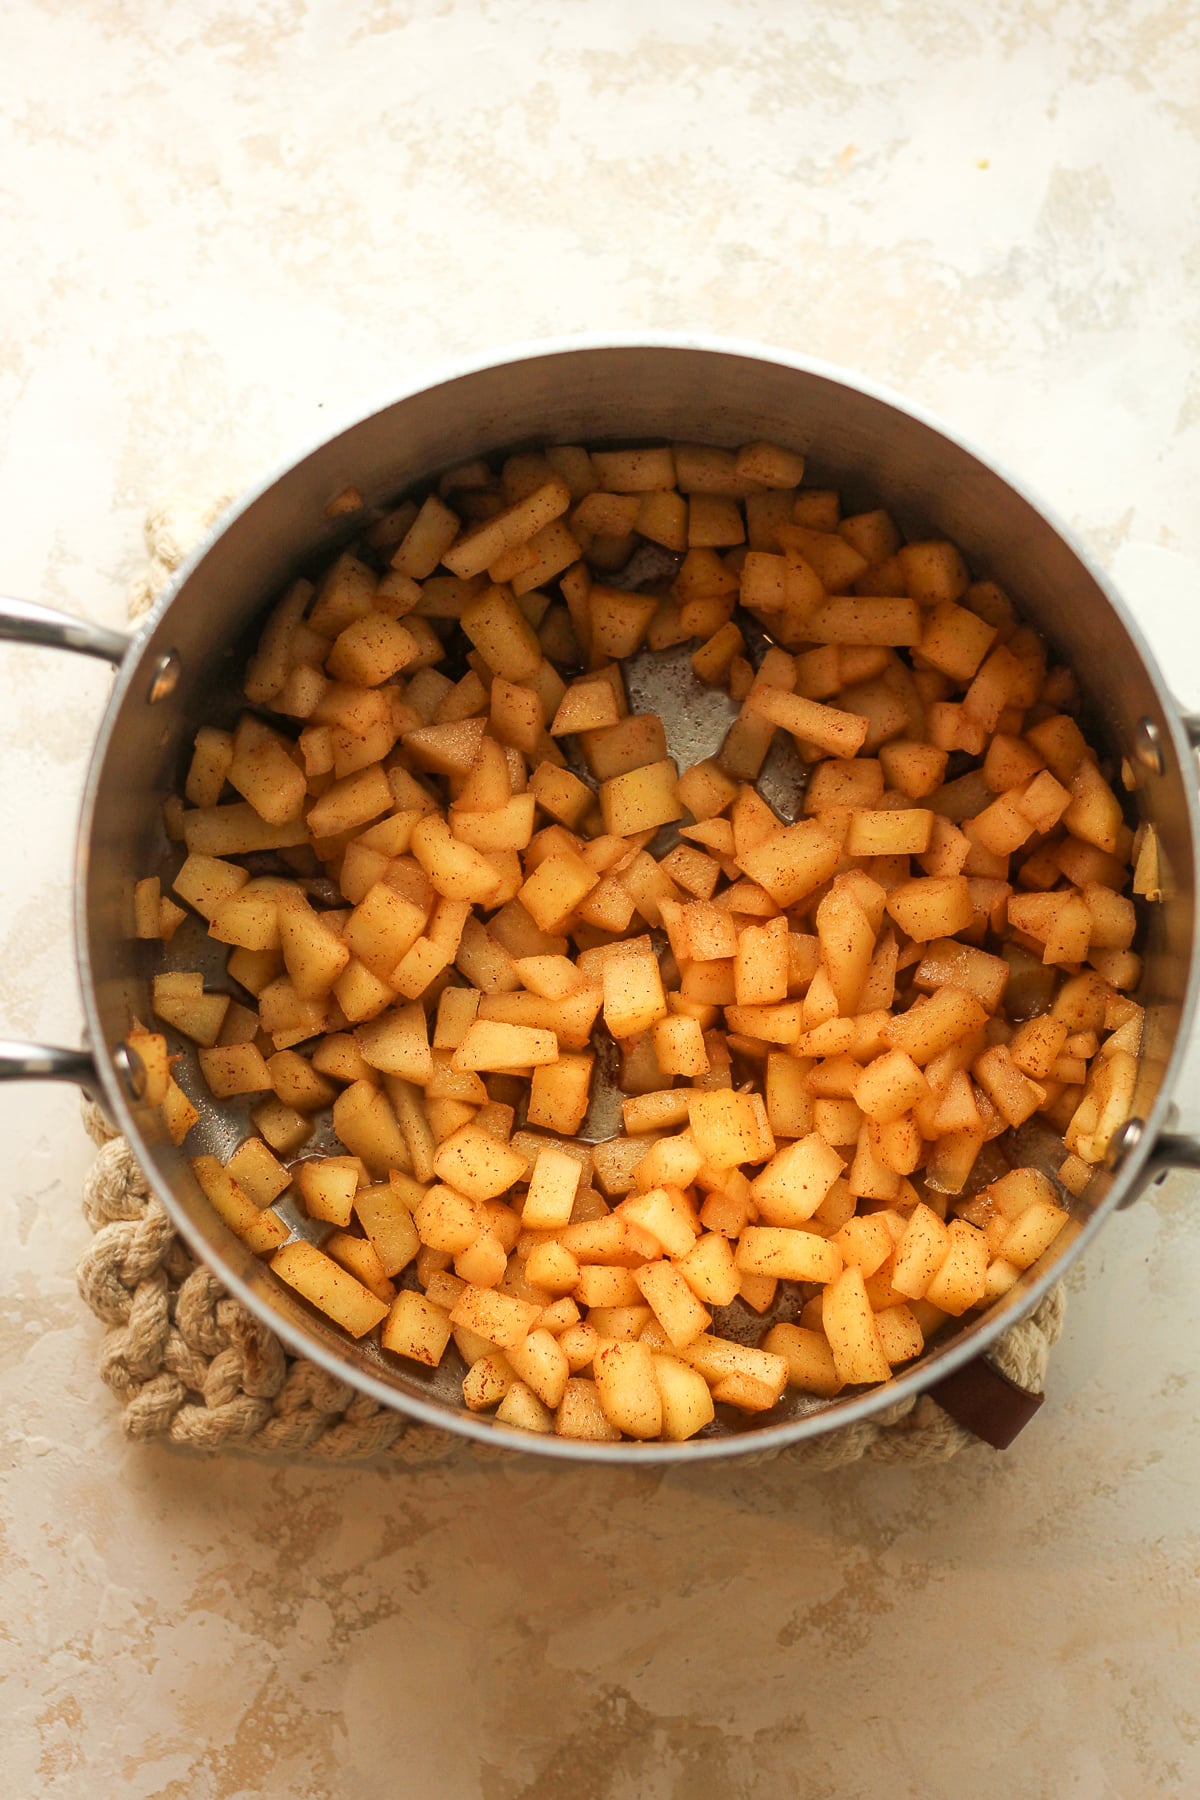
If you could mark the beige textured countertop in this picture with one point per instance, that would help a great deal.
(222, 225)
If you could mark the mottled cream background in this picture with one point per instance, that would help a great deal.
(222, 225)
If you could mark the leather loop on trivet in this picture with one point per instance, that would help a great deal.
(190, 1365)
(986, 1402)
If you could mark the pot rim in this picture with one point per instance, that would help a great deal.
(969, 1342)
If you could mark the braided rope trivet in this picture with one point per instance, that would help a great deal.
(191, 1365)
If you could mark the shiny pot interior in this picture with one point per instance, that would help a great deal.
(878, 451)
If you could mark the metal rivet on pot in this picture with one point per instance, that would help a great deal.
(1147, 746)
(1124, 1140)
(131, 1069)
(165, 677)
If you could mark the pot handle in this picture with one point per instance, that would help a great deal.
(24, 622)
(1170, 1150)
(45, 1062)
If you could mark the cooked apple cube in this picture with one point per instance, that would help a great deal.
(634, 1000)
(850, 1328)
(209, 768)
(719, 1359)
(930, 1026)
(389, 1224)
(1019, 1189)
(560, 1092)
(956, 640)
(427, 539)
(457, 1010)
(180, 1000)
(261, 1230)
(483, 1262)
(865, 621)
(642, 799)
(327, 1185)
(687, 1404)
(899, 1333)
(329, 1287)
(679, 1046)
(1013, 1094)
(522, 1409)
(493, 1045)
(920, 1252)
(553, 1185)
(792, 861)
(889, 1086)
(455, 869)
(237, 1069)
(313, 954)
(626, 1388)
(674, 1304)
(932, 907)
(770, 464)
(810, 1364)
(1037, 1044)
(371, 650)
(809, 721)
(787, 1254)
(789, 1103)
(1095, 812)
(178, 1113)
(257, 1172)
(502, 634)
(789, 1190)
(417, 1329)
(397, 1043)
(710, 1270)
(478, 549)
(358, 1256)
(730, 1128)
(350, 803)
(580, 1414)
(297, 1083)
(384, 927)
(1031, 1234)
(503, 1319)
(961, 1279)
(487, 1381)
(864, 1242)
(613, 1301)
(447, 1220)
(264, 772)
(948, 963)
(847, 944)
(556, 887)
(667, 1214)
(889, 832)
(478, 1164)
(364, 1121)
(560, 793)
(761, 963)
(505, 827)
(147, 908)
(540, 1362)
(249, 919)
(551, 1267)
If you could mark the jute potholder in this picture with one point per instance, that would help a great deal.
(192, 1366)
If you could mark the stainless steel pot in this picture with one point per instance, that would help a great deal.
(181, 667)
